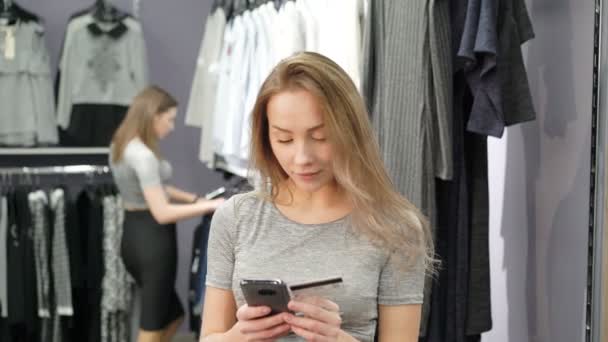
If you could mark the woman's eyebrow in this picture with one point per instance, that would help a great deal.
(288, 131)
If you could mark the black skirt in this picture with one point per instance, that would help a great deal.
(149, 252)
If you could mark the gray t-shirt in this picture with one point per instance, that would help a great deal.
(138, 169)
(251, 238)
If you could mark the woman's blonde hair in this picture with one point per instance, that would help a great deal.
(380, 212)
(139, 121)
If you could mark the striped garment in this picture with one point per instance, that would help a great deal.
(60, 257)
(407, 83)
(38, 201)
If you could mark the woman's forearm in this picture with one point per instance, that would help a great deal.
(180, 195)
(171, 213)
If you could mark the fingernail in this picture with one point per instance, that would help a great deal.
(266, 310)
(288, 318)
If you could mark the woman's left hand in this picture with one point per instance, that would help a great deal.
(321, 320)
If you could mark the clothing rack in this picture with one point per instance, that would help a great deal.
(51, 170)
(32, 175)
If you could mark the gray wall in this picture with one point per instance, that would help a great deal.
(173, 31)
(539, 175)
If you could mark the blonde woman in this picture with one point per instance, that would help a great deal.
(328, 209)
(151, 209)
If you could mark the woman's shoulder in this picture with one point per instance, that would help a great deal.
(242, 205)
(137, 150)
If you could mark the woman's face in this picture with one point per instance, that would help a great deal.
(299, 139)
(165, 122)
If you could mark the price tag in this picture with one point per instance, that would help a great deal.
(9, 45)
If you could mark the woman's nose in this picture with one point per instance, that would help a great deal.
(304, 154)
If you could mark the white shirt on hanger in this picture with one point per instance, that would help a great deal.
(310, 23)
(222, 97)
(340, 34)
(239, 78)
(290, 34)
(257, 74)
(271, 22)
(204, 84)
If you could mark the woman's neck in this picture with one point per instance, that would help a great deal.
(328, 196)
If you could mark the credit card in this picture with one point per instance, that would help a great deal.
(323, 283)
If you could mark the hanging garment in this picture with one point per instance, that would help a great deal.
(22, 286)
(92, 124)
(490, 53)
(233, 110)
(310, 21)
(101, 66)
(60, 257)
(116, 298)
(204, 90)
(91, 222)
(340, 38)
(3, 257)
(289, 36)
(204, 84)
(258, 59)
(402, 88)
(26, 88)
(38, 201)
(77, 248)
(198, 272)
(450, 290)
(406, 82)
(4, 331)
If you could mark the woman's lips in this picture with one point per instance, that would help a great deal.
(307, 175)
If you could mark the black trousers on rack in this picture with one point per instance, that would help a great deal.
(91, 222)
(460, 300)
(23, 323)
(198, 272)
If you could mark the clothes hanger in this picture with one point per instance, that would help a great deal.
(8, 15)
(105, 12)
(240, 6)
(217, 4)
(22, 13)
(227, 5)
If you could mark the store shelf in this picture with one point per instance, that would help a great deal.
(54, 151)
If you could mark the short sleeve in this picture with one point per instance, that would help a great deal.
(400, 285)
(220, 250)
(145, 164)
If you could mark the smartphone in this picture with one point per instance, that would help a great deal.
(273, 293)
(216, 193)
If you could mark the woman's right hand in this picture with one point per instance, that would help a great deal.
(254, 324)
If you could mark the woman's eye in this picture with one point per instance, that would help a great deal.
(319, 138)
(285, 141)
